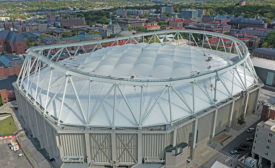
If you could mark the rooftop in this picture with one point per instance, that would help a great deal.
(82, 37)
(11, 36)
(6, 82)
(10, 60)
(270, 124)
(264, 63)
(150, 61)
(265, 51)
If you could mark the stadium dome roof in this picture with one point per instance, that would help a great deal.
(115, 104)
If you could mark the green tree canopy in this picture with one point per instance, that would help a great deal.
(269, 41)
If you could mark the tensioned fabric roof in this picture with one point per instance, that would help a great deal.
(121, 105)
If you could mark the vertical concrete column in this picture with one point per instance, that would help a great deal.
(113, 139)
(139, 147)
(175, 137)
(214, 123)
(246, 104)
(88, 147)
(46, 134)
(61, 152)
(260, 160)
(231, 113)
(271, 165)
(256, 103)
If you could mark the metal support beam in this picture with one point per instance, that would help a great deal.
(63, 99)
(175, 137)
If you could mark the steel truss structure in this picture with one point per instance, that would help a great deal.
(236, 81)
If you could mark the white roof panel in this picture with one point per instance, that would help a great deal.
(106, 105)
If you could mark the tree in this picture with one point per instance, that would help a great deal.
(66, 34)
(269, 41)
(141, 29)
(130, 28)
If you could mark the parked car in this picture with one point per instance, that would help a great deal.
(239, 149)
(251, 129)
(234, 152)
(244, 146)
(249, 139)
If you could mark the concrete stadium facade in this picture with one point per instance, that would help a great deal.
(128, 146)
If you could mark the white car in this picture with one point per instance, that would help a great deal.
(251, 129)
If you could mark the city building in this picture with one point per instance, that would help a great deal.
(125, 23)
(260, 32)
(10, 65)
(109, 30)
(12, 42)
(208, 18)
(83, 36)
(251, 41)
(6, 88)
(264, 63)
(268, 112)
(128, 105)
(191, 13)
(219, 28)
(152, 26)
(213, 19)
(177, 23)
(73, 21)
(264, 142)
(241, 22)
(33, 27)
(242, 3)
(122, 13)
(167, 10)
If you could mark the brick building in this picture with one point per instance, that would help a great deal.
(177, 23)
(10, 65)
(241, 22)
(251, 41)
(12, 42)
(152, 26)
(7, 95)
(73, 21)
(81, 37)
(260, 32)
(6, 88)
(130, 22)
(219, 28)
(268, 112)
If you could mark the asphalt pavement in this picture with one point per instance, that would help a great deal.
(10, 159)
(241, 139)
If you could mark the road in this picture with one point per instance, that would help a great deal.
(241, 139)
(10, 159)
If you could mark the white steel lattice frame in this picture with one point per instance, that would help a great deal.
(44, 56)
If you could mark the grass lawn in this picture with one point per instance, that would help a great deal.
(7, 126)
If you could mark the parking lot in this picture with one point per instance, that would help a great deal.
(10, 159)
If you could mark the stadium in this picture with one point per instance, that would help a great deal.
(130, 100)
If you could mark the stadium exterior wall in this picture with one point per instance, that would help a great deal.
(126, 147)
